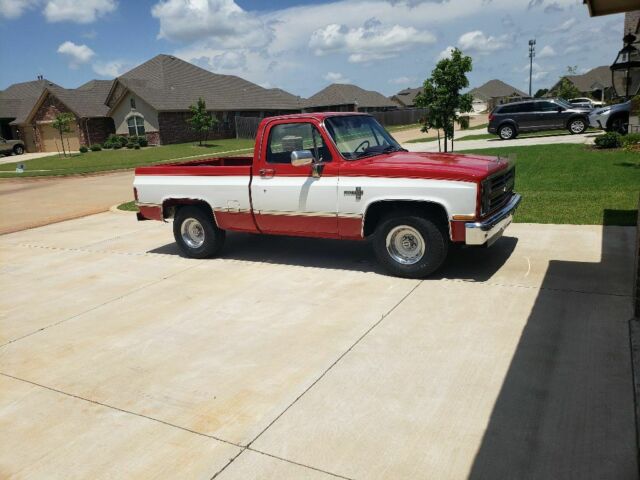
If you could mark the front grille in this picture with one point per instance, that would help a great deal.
(497, 190)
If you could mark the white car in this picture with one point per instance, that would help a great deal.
(613, 118)
(586, 102)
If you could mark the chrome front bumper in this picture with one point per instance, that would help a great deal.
(492, 228)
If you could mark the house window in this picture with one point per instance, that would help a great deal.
(136, 126)
(133, 103)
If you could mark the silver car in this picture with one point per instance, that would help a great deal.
(7, 147)
(614, 118)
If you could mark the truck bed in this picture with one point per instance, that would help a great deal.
(215, 166)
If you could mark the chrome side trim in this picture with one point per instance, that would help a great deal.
(490, 229)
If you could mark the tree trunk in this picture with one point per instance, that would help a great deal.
(64, 152)
(452, 135)
(439, 146)
(446, 139)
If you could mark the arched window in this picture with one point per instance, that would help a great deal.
(136, 126)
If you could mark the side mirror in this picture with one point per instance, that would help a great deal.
(300, 158)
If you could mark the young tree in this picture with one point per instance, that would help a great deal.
(567, 89)
(62, 123)
(541, 92)
(441, 94)
(201, 121)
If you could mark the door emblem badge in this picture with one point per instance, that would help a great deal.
(356, 193)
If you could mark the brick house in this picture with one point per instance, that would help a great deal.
(494, 92)
(341, 97)
(34, 116)
(153, 99)
(596, 83)
(406, 98)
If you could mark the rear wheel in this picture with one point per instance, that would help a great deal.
(618, 124)
(507, 132)
(18, 149)
(410, 246)
(577, 126)
(196, 233)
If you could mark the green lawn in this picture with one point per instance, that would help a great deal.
(128, 207)
(574, 184)
(107, 160)
(399, 128)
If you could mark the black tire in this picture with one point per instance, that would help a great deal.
(201, 237)
(577, 125)
(618, 124)
(434, 239)
(507, 132)
(18, 149)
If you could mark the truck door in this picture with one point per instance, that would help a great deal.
(288, 199)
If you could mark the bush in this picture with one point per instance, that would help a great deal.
(137, 147)
(117, 146)
(130, 145)
(143, 142)
(95, 147)
(83, 149)
(631, 139)
(114, 140)
(609, 140)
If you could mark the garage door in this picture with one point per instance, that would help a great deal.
(51, 139)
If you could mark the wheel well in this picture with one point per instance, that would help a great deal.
(507, 122)
(615, 116)
(577, 117)
(379, 210)
(171, 206)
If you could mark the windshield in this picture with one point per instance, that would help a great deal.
(358, 136)
(564, 103)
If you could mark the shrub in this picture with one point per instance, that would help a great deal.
(83, 149)
(609, 140)
(117, 146)
(137, 147)
(631, 139)
(130, 145)
(95, 147)
(143, 142)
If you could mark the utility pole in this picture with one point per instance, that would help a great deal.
(532, 54)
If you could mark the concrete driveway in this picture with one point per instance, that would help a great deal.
(296, 359)
(25, 157)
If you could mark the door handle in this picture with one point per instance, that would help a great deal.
(267, 172)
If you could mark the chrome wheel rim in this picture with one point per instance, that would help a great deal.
(405, 245)
(192, 233)
(506, 132)
(577, 126)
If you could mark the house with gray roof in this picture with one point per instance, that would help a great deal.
(406, 98)
(494, 92)
(340, 97)
(153, 99)
(31, 108)
(596, 83)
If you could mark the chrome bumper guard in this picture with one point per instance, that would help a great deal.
(492, 228)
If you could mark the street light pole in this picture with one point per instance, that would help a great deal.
(532, 54)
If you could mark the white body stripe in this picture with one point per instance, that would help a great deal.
(325, 195)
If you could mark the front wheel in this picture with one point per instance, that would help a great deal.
(410, 246)
(18, 149)
(196, 233)
(577, 126)
(507, 132)
(619, 124)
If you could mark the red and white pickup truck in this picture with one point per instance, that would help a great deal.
(335, 175)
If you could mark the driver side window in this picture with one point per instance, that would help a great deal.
(289, 137)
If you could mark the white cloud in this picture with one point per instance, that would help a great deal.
(372, 41)
(111, 69)
(546, 52)
(14, 8)
(76, 54)
(564, 26)
(208, 21)
(335, 77)
(78, 11)
(402, 80)
(446, 53)
(572, 49)
(477, 41)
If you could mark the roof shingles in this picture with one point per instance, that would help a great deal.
(343, 94)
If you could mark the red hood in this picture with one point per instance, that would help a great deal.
(446, 166)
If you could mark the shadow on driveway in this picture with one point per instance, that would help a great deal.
(474, 264)
(565, 409)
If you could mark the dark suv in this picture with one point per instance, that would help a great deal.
(508, 120)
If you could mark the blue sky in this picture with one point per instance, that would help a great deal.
(304, 45)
